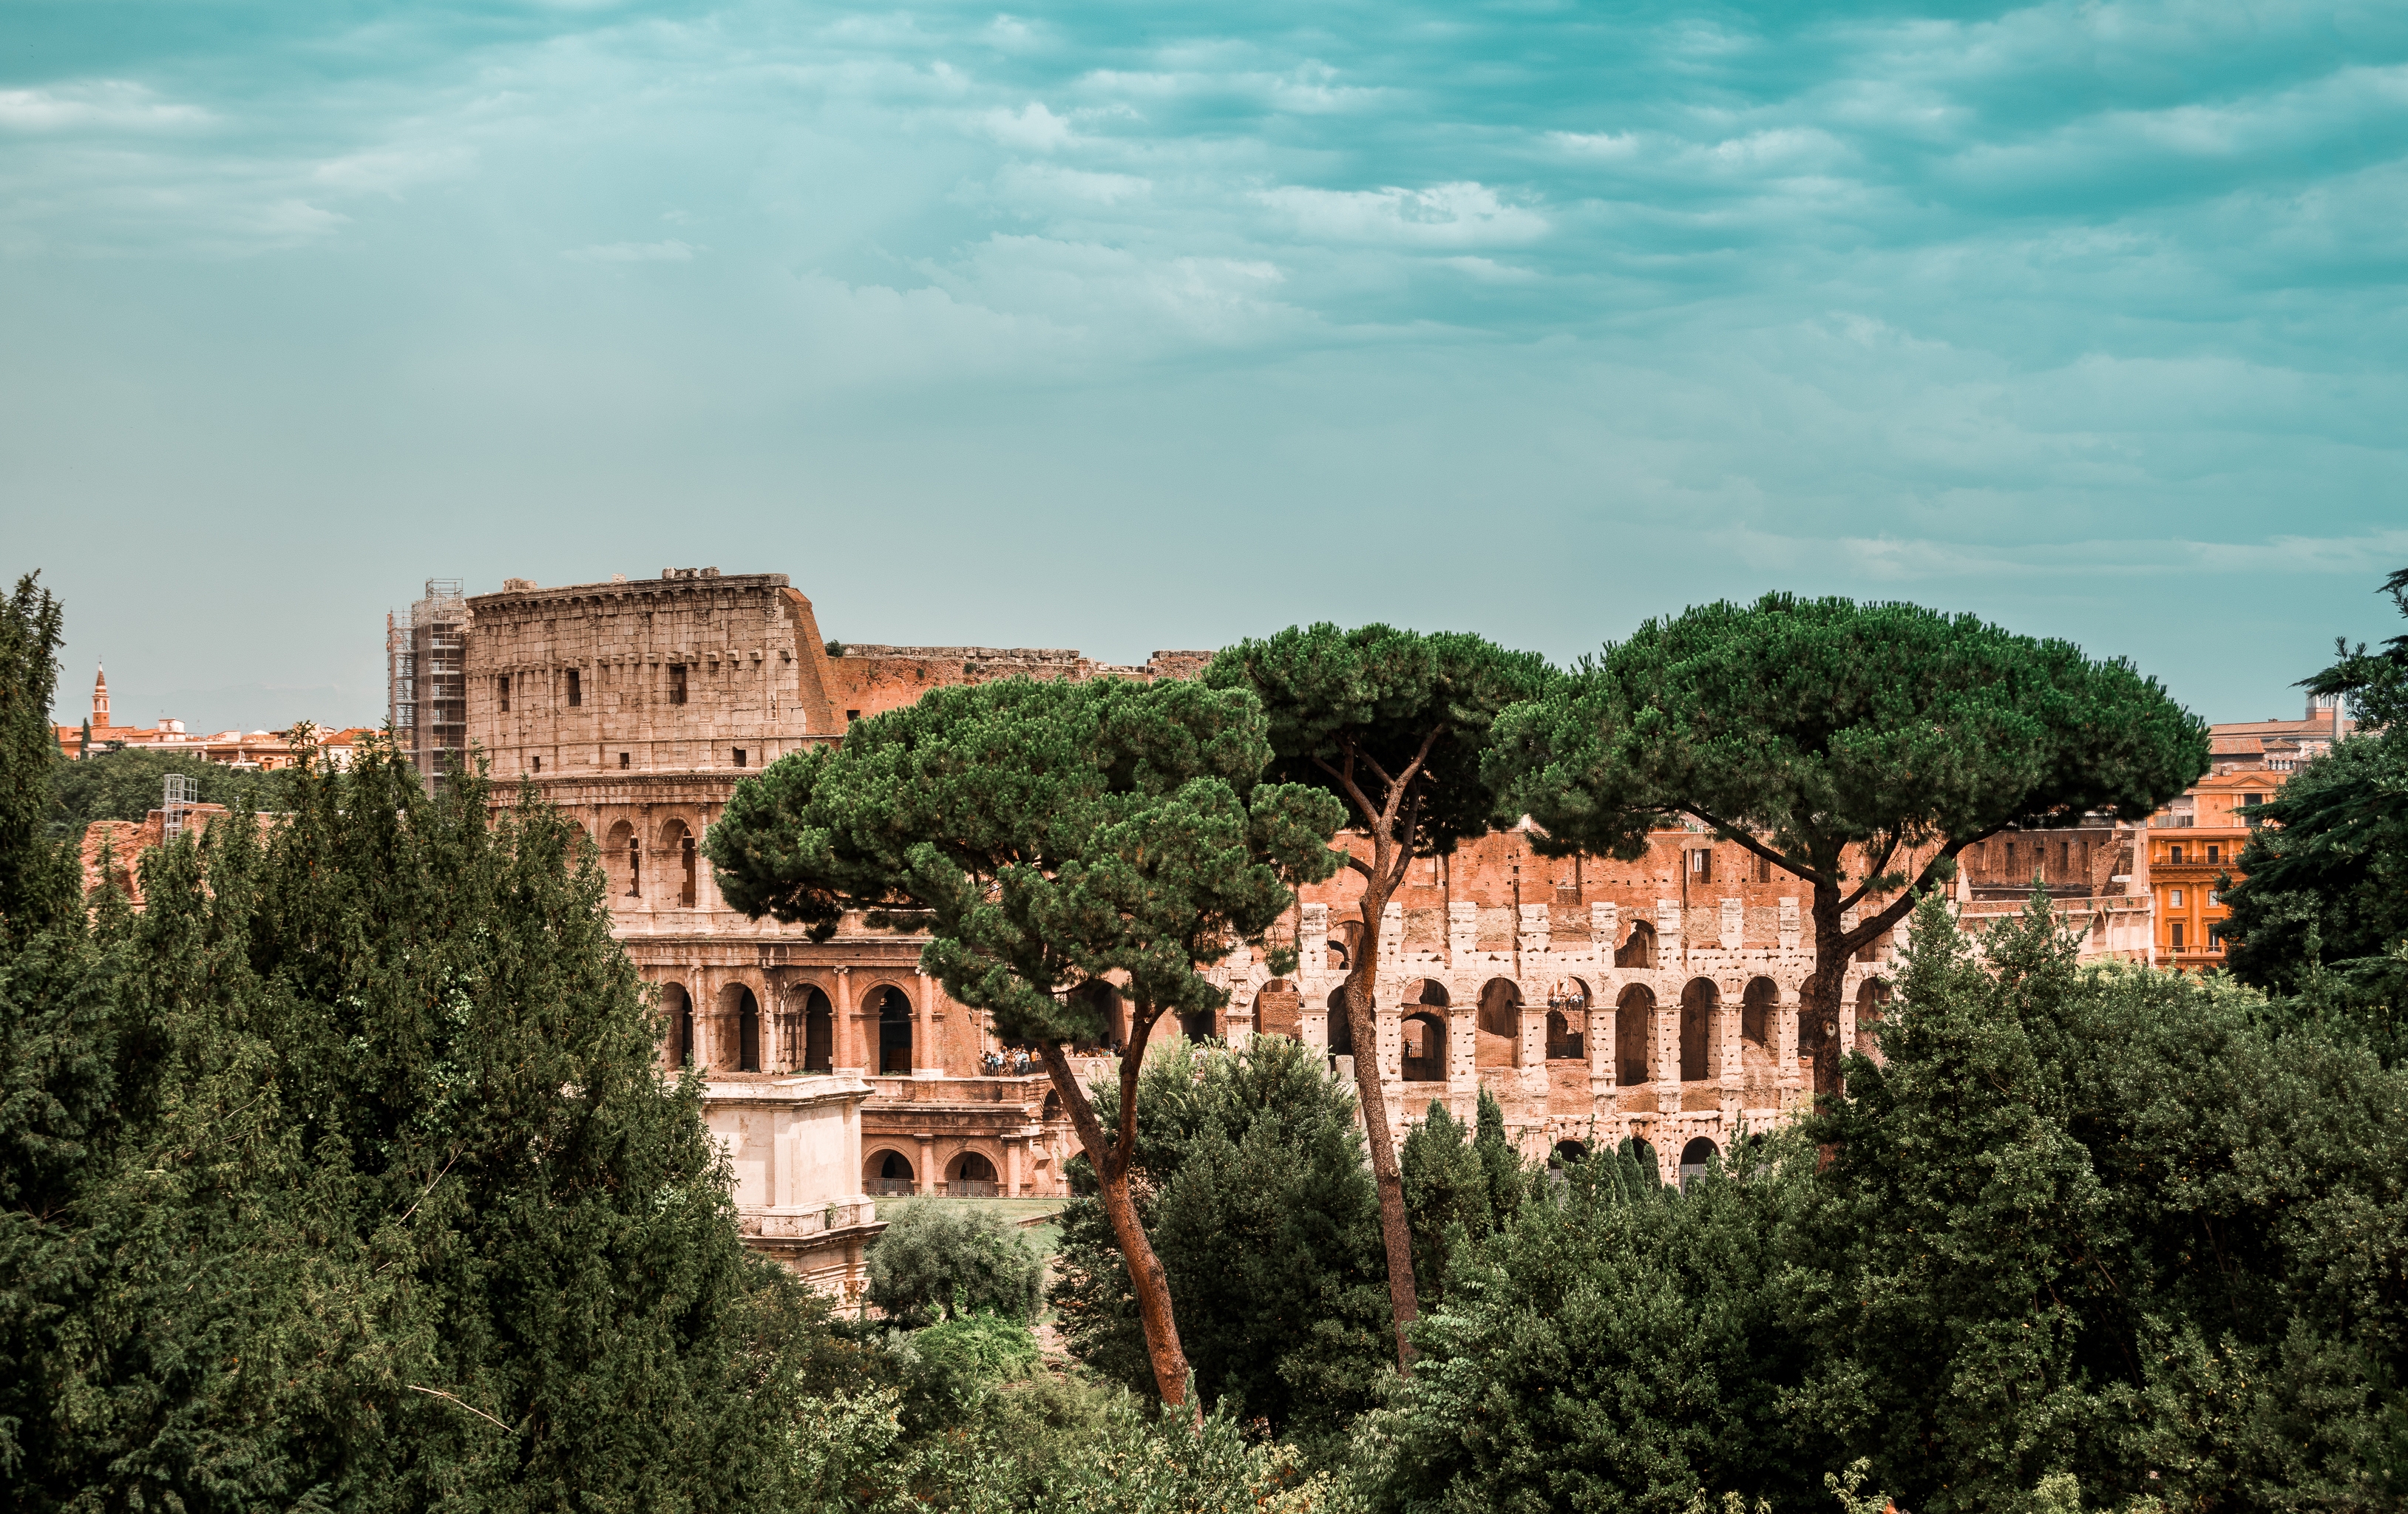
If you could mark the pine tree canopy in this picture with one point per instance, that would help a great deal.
(1046, 836)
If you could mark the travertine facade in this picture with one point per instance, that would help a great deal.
(1600, 1000)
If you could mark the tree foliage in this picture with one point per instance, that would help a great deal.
(1250, 1163)
(37, 885)
(936, 1260)
(1063, 844)
(127, 785)
(1859, 748)
(1394, 724)
(1460, 1187)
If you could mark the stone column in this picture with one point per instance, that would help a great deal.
(1784, 1047)
(1531, 1048)
(927, 1172)
(1732, 1009)
(1012, 1157)
(1600, 1049)
(1665, 1064)
(845, 1028)
(928, 1057)
(1463, 1049)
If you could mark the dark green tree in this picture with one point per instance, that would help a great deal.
(1622, 1346)
(935, 1261)
(1460, 1187)
(2321, 912)
(127, 785)
(1254, 1197)
(37, 880)
(2101, 1223)
(1394, 723)
(1859, 748)
(1056, 840)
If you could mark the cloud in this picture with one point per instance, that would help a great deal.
(1032, 128)
(105, 105)
(1445, 215)
(670, 251)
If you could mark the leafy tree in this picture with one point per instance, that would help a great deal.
(1055, 840)
(2098, 1224)
(1250, 1163)
(1459, 1191)
(1825, 735)
(127, 785)
(1620, 1347)
(936, 1261)
(2322, 911)
(387, 1204)
(36, 880)
(1394, 723)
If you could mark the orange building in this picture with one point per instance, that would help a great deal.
(2193, 843)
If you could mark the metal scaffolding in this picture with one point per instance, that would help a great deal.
(427, 686)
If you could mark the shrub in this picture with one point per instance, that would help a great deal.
(936, 1260)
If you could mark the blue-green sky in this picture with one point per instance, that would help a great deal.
(1122, 326)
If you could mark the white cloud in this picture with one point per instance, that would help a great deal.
(107, 104)
(1445, 215)
(671, 251)
(1032, 129)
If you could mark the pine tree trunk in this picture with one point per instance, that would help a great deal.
(1818, 997)
(1361, 980)
(1162, 1345)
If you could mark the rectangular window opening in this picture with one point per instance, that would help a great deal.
(623, 758)
(740, 756)
(538, 765)
(502, 685)
(1701, 867)
(852, 715)
(575, 690)
(677, 683)
(2177, 928)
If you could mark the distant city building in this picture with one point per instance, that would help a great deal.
(234, 749)
(2278, 745)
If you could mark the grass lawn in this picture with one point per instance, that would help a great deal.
(1011, 1211)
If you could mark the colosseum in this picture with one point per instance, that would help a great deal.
(1598, 1000)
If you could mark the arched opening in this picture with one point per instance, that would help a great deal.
(1756, 1008)
(1344, 938)
(739, 1032)
(1634, 1032)
(679, 1009)
(1424, 1059)
(1500, 1022)
(1102, 1028)
(819, 1033)
(1341, 1030)
(1203, 1025)
(1564, 1043)
(1698, 1005)
(622, 860)
(677, 845)
(1566, 1152)
(1279, 1010)
(893, 1030)
(973, 1177)
(1567, 1020)
(1638, 949)
(1873, 1007)
(887, 1174)
(1052, 1108)
(1696, 1157)
(1429, 992)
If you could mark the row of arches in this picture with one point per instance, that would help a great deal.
(1638, 948)
(1695, 1156)
(800, 1039)
(888, 1172)
(622, 864)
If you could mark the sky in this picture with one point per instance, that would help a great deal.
(1124, 327)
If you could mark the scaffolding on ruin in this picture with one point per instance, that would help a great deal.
(179, 795)
(426, 678)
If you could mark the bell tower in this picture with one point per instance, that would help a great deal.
(100, 701)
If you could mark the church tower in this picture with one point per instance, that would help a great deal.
(100, 719)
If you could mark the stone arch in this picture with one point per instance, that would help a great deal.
(1110, 1022)
(973, 1173)
(1873, 1007)
(1279, 1010)
(1700, 1005)
(1634, 1034)
(1638, 948)
(1424, 1048)
(1500, 1024)
(739, 1029)
(819, 1031)
(1696, 1157)
(677, 1006)
(887, 1170)
(1345, 939)
(1759, 1009)
(1429, 992)
(1567, 1020)
(1341, 1028)
(1567, 1152)
(890, 1007)
(623, 862)
(1051, 1109)
(678, 856)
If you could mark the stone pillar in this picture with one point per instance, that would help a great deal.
(1784, 1047)
(1530, 1046)
(1462, 934)
(1604, 933)
(1665, 1064)
(1390, 1024)
(928, 1057)
(1733, 924)
(1789, 923)
(1463, 1048)
(845, 1028)
(1312, 941)
(1013, 1157)
(927, 1170)
(1600, 1049)
(1733, 1062)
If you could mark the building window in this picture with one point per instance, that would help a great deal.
(2215, 896)
(2173, 855)
(503, 684)
(575, 690)
(538, 765)
(1701, 867)
(677, 683)
(2214, 853)
(852, 715)
(740, 756)
(2175, 898)
(2177, 929)
(1764, 869)
(623, 758)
